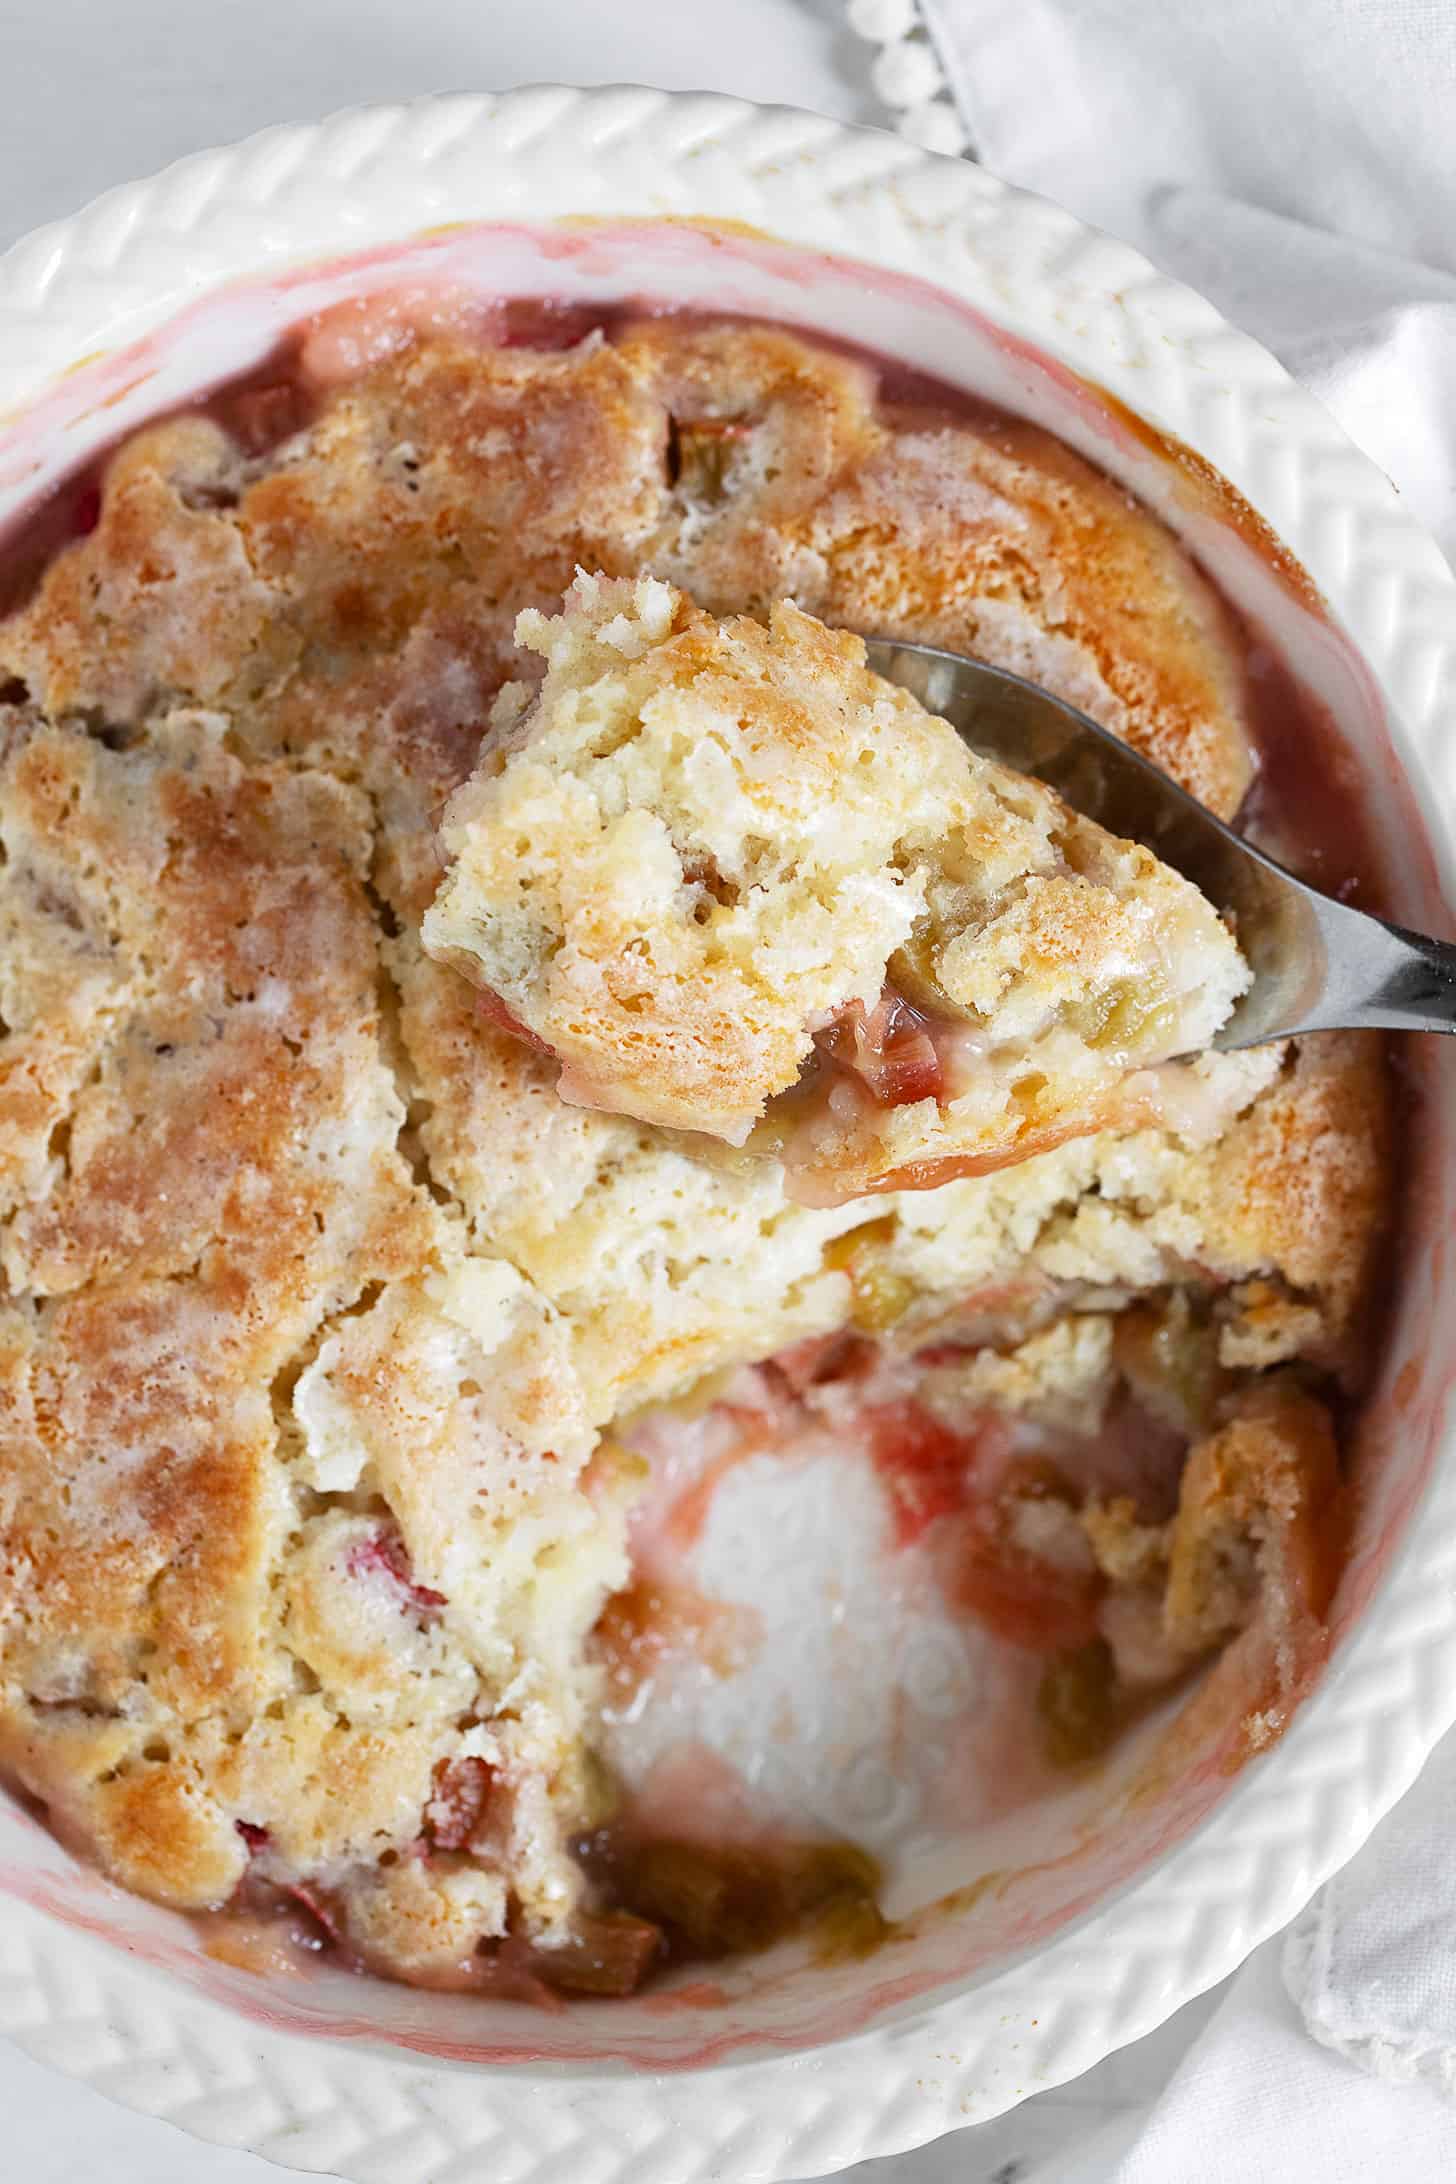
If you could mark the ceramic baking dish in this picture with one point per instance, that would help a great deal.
(160, 289)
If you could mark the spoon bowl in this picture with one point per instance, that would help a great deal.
(1318, 964)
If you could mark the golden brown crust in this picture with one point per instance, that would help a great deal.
(160, 600)
(1004, 543)
(256, 1151)
(221, 1185)
(1260, 1522)
(1304, 1186)
(708, 846)
(456, 485)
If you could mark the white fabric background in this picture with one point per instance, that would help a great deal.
(1233, 2088)
(1295, 160)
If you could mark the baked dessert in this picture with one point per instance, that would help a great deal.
(735, 882)
(333, 1341)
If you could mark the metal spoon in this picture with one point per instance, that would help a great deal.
(1318, 965)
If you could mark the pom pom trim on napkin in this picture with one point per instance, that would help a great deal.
(907, 75)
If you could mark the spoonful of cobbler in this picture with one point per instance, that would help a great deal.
(880, 912)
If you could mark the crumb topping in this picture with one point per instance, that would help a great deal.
(711, 856)
(316, 1297)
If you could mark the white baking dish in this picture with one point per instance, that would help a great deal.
(163, 287)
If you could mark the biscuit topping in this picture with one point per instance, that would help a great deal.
(708, 856)
(336, 1344)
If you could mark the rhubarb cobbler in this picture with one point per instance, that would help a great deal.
(492, 986)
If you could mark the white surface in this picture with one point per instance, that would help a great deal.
(1292, 163)
(101, 93)
(1123, 2123)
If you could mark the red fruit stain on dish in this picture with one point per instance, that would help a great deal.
(318, 1909)
(680, 1526)
(928, 1469)
(1026, 1601)
(384, 1554)
(697, 1994)
(545, 322)
(996, 1569)
(1009, 1572)
(693, 1794)
(689, 1459)
(86, 512)
(652, 1624)
(662, 1621)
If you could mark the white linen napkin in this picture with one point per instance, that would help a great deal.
(1295, 162)
(1371, 1962)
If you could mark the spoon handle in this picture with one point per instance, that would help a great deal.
(1414, 987)
(1359, 974)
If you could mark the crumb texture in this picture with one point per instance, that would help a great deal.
(316, 1296)
(708, 854)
